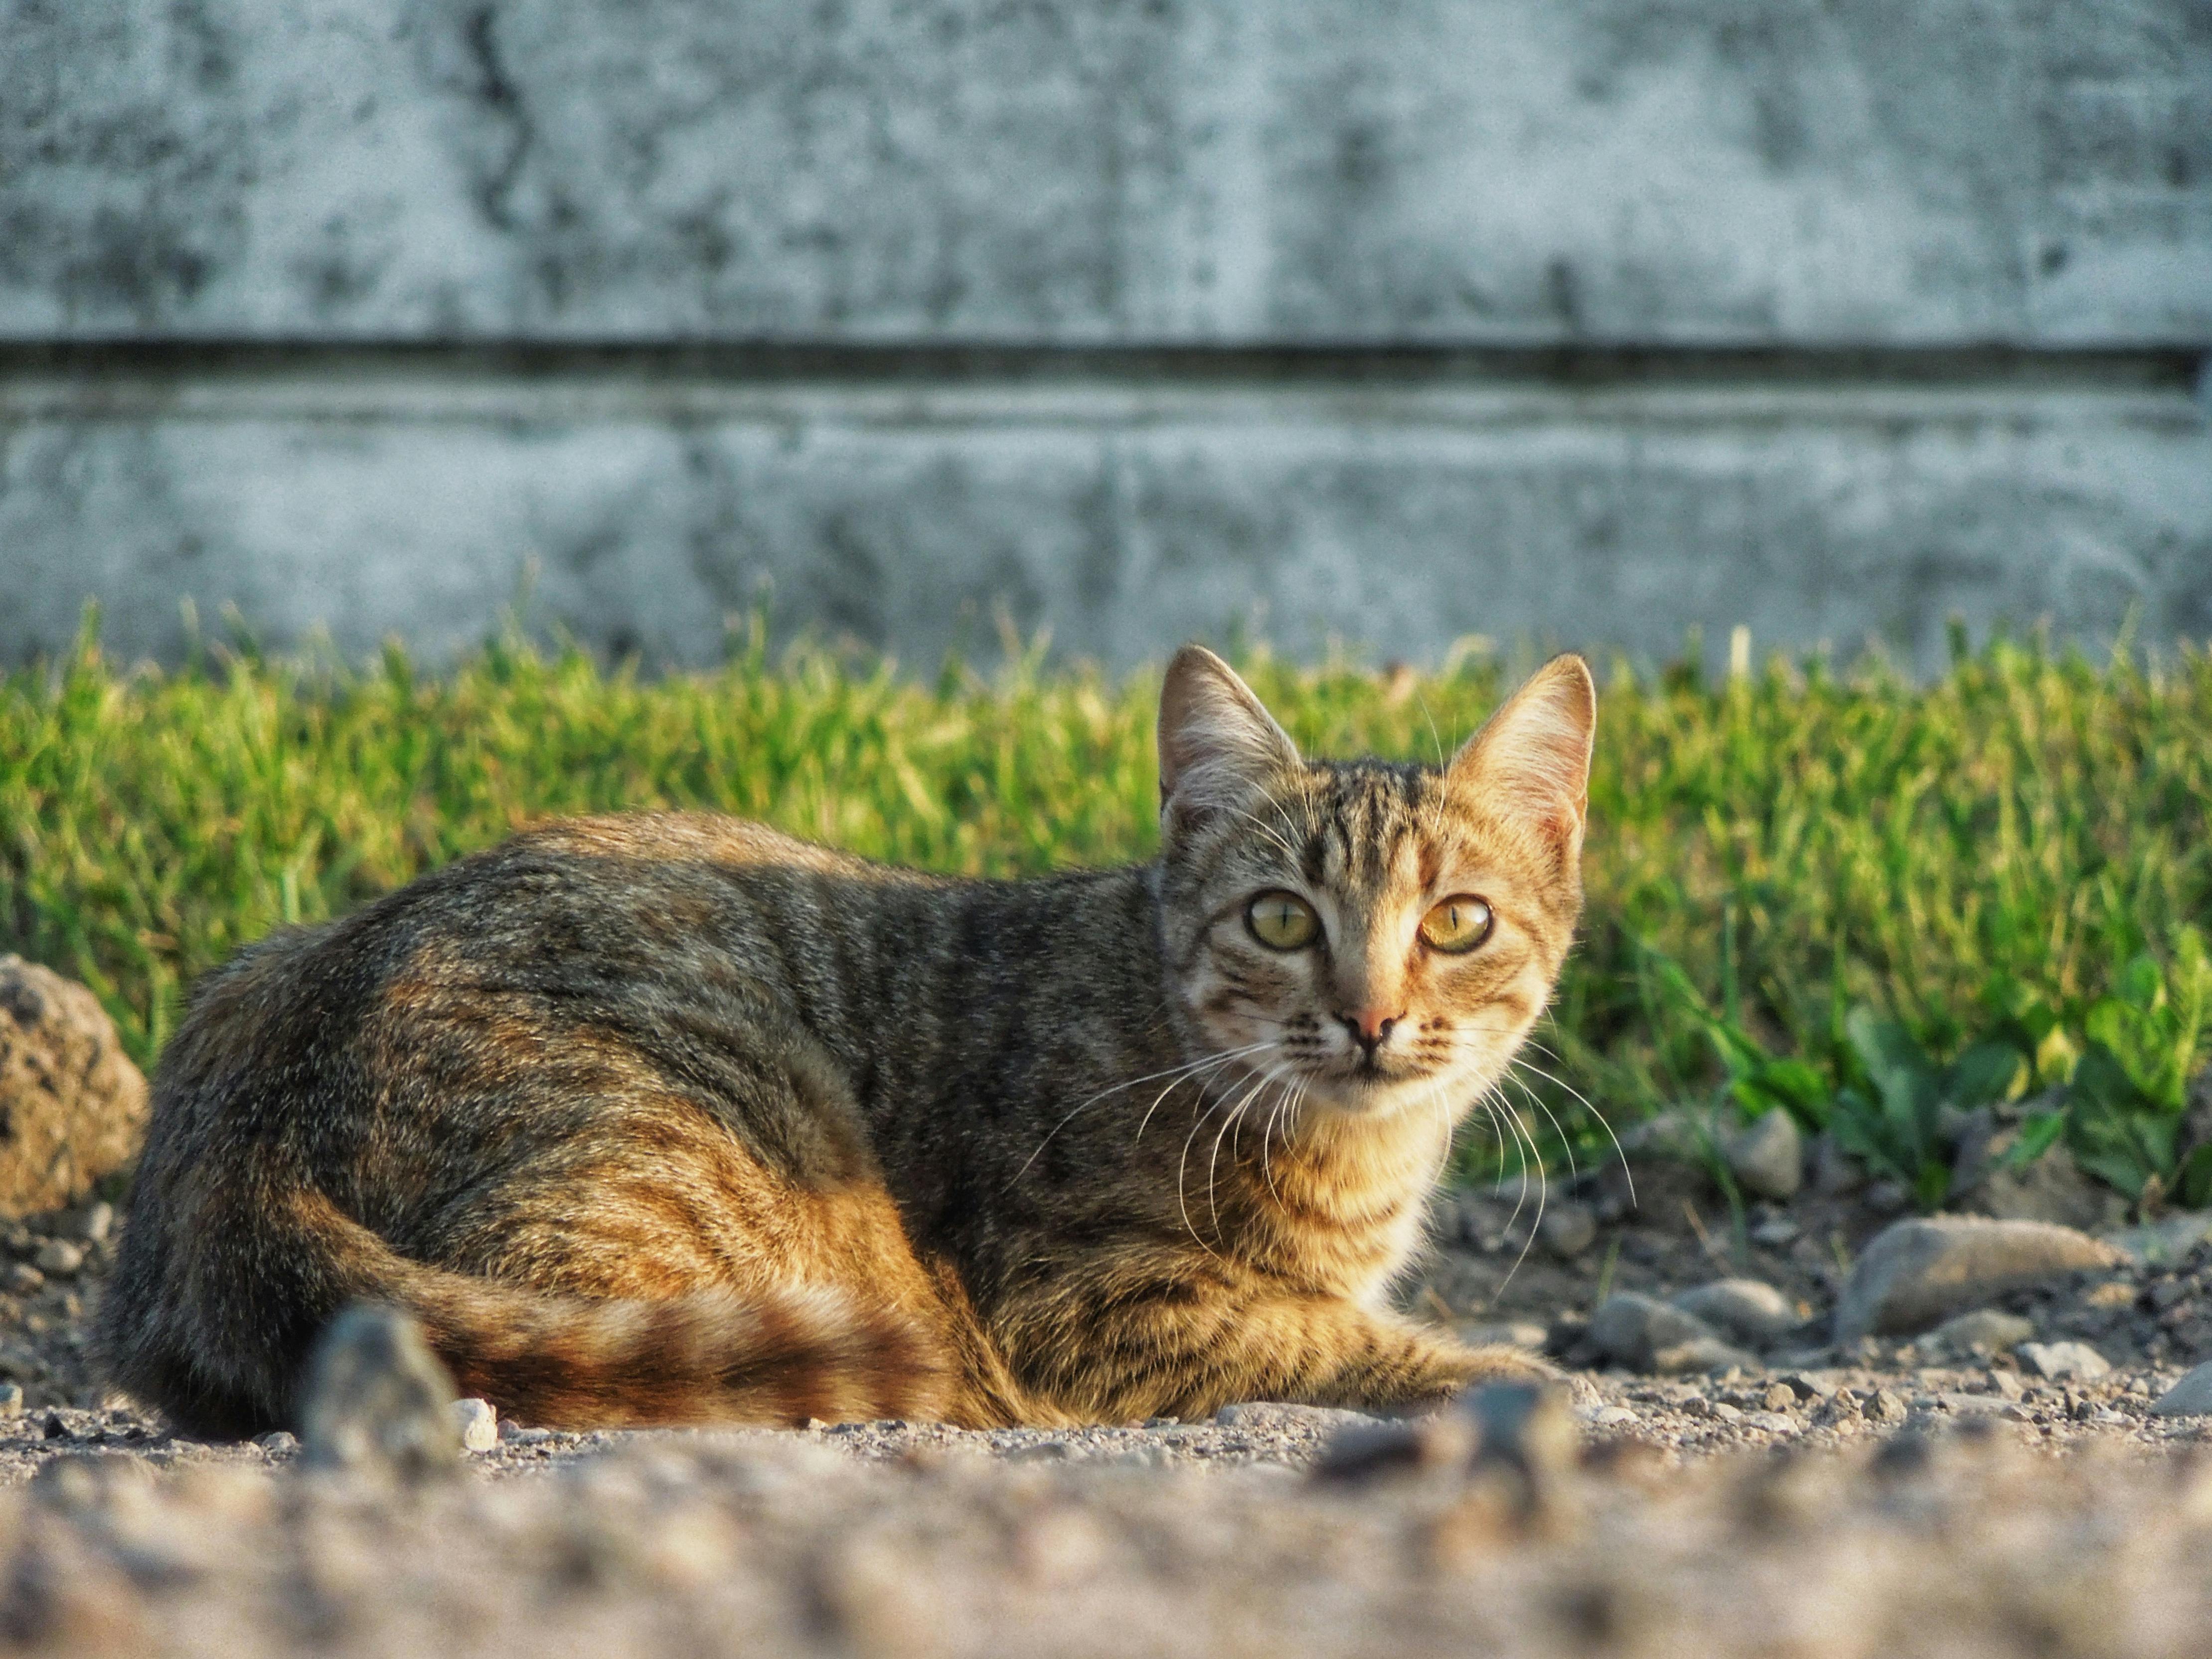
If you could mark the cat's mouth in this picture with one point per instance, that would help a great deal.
(1365, 1081)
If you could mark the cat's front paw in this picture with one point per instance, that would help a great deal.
(1500, 1364)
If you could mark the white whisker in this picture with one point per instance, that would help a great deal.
(1620, 1152)
(1221, 1059)
(1234, 1120)
(1131, 1083)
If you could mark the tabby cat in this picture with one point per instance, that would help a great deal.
(669, 1118)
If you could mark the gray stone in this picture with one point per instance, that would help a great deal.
(1916, 1273)
(73, 1104)
(2190, 1397)
(1886, 1407)
(1629, 1327)
(1775, 1231)
(2064, 1361)
(378, 1402)
(1567, 1228)
(1835, 1172)
(1984, 1332)
(12, 1400)
(1767, 1156)
(1749, 1309)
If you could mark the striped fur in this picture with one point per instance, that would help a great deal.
(668, 1118)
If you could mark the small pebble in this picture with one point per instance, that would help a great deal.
(24, 1280)
(12, 1400)
(1886, 1407)
(1769, 1156)
(59, 1258)
(1775, 1231)
(2074, 1361)
(1807, 1387)
(1984, 1331)
(1567, 1229)
(478, 1424)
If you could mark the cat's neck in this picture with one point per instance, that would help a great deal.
(1341, 1199)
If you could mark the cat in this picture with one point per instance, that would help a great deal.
(669, 1118)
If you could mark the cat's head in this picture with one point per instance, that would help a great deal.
(1382, 934)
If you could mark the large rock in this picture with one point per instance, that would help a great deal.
(72, 1106)
(1915, 1275)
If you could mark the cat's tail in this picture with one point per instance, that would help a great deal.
(229, 1357)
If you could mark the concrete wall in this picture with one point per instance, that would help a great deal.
(1589, 319)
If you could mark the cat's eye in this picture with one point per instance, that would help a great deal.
(1282, 922)
(1460, 923)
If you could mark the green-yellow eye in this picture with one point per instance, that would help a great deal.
(1282, 922)
(1460, 923)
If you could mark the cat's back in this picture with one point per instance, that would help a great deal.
(619, 921)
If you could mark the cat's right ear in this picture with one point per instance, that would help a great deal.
(1218, 744)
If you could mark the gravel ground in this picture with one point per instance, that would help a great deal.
(1891, 1499)
(1683, 1524)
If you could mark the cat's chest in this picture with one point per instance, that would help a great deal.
(1341, 1225)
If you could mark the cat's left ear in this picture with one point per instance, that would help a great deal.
(1533, 756)
(1218, 744)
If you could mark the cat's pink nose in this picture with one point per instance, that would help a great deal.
(1369, 1026)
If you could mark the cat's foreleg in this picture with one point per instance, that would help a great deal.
(1187, 1351)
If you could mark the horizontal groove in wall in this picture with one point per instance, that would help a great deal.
(909, 385)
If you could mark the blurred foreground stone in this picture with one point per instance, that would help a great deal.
(378, 1401)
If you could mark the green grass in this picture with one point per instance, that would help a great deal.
(1796, 843)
